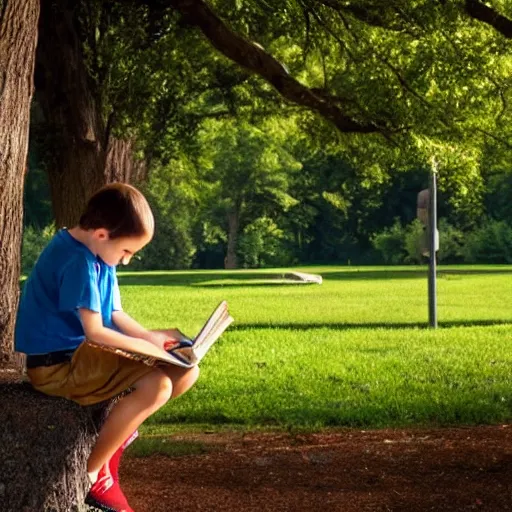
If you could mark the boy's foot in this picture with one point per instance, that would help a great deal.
(105, 494)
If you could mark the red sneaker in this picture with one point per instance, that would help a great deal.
(105, 494)
(115, 460)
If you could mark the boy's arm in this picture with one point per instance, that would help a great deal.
(127, 325)
(97, 332)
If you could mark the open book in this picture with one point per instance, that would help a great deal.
(185, 351)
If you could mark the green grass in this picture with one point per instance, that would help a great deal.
(354, 351)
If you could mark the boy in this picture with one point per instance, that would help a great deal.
(72, 296)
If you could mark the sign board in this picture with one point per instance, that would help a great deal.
(423, 206)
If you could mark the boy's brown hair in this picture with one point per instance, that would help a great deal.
(120, 209)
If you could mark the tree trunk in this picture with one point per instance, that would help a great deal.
(121, 164)
(233, 224)
(44, 442)
(44, 445)
(18, 36)
(75, 132)
(81, 153)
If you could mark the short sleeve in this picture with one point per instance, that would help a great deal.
(116, 294)
(79, 286)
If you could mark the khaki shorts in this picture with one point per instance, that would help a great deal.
(92, 376)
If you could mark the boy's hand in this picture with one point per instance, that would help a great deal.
(127, 325)
(165, 338)
(96, 332)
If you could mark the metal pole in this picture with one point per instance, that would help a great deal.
(432, 231)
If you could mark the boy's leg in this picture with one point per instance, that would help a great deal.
(106, 491)
(150, 393)
(182, 379)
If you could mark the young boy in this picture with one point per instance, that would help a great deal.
(72, 296)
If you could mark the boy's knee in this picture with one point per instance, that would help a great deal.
(156, 388)
(164, 389)
(189, 380)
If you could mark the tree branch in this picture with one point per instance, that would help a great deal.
(379, 15)
(492, 136)
(479, 11)
(255, 59)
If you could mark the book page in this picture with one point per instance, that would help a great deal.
(214, 317)
(214, 327)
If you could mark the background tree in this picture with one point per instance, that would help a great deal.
(409, 78)
(246, 177)
(174, 201)
(76, 50)
(411, 71)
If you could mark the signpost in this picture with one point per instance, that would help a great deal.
(433, 247)
(427, 214)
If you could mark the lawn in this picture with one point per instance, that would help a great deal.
(353, 351)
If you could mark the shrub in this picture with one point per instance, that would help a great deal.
(261, 244)
(491, 243)
(413, 241)
(34, 241)
(391, 244)
(404, 244)
(450, 242)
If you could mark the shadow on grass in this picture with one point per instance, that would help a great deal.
(371, 275)
(469, 404)
(412, 273)
(475, 271)
(211, 282)
(185, 279)
(253, 284)
(235, 278)
(369, 325)
(200, 278)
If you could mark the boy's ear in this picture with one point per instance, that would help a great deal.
(101, 234)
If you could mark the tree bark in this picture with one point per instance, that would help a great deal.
(44, 445)
(231, 260)
(121, 164)
(18, 36)
(44, 442)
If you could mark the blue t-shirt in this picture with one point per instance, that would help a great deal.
(66, 276)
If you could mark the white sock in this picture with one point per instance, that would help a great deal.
(93, 477)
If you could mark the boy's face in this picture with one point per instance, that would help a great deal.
(119, 250)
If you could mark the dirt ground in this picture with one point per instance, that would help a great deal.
(449, 469)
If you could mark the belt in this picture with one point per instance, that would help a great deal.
(62, 356)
